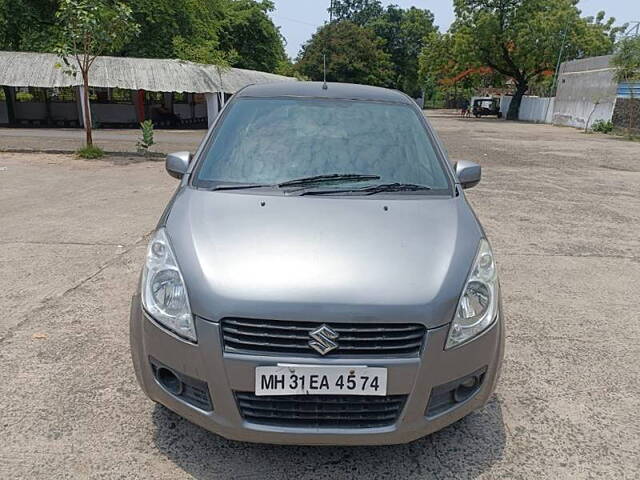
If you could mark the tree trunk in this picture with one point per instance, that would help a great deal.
(86, 110)
(514, 106)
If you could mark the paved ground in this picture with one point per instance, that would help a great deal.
(563, 212)
(70, 139)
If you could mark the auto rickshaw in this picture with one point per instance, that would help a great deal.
(485, 106)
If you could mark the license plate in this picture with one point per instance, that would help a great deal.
(320, 380)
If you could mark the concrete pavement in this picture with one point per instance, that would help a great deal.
(71, 139)
(561, 208)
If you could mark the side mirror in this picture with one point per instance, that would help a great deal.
(468, 173)
(177, 163)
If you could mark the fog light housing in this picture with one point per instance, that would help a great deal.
(450, 395)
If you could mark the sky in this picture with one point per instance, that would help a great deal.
(299, 19)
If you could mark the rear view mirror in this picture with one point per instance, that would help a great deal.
(468, 173)
(177, 163)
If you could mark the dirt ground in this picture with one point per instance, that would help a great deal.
(561, 208)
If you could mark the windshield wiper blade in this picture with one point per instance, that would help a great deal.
(394, 187)
(333, 177)
(239, 186)
(373, 189)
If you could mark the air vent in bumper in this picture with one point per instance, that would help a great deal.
(321, 411)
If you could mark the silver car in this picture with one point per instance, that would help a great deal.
(319, 276)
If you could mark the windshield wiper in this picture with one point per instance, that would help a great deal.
(373, 189)
(330, 178)
(239, 186)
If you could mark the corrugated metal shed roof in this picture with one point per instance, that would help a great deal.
(26, 69)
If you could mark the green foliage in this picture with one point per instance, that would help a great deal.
(235, 33)
(222, 32)
(360, 12)
(626, 60)
(354, 55)
(24, 97)
(403, 32)
(90, 152)
(185, 29)
(146, 140)
(248, 33)
(89, 28)
(602, 126)
(521, 39)
(28, 25)
(287, 68)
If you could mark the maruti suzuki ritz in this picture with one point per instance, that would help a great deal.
(318, 276)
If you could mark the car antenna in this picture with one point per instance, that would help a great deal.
(324, 71)
(324, 54)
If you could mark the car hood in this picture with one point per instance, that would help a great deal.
(358, 259)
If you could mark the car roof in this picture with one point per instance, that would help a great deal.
(344, 91)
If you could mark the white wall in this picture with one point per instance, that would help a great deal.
(576, 113)
(536, 109)
(585, 86)
(532, 109)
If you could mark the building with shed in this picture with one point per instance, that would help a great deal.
(123, 91)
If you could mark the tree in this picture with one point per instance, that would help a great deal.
(90, 28)
(626, 62)
(248, 32)
(222, 32)
(184, 29)
(360, 12)
(27, 25)
(354, 55)
(521, 39)
(404, 33)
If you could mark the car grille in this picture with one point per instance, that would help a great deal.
(243, 335)
(321, 411)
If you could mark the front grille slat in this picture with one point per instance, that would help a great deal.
(280, 337)
(321, 411)
(304, 326)
(253, 332)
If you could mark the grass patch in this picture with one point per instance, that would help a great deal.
(90, 152)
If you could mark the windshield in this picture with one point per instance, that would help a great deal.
(271, 141)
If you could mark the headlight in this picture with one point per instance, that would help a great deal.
(478, 304)
(164, 294)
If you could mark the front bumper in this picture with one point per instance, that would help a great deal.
(228, 373)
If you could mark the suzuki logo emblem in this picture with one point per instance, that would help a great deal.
(323, 339)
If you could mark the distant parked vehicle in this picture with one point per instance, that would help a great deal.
(486, 106)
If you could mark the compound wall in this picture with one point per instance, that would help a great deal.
(586, 92)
